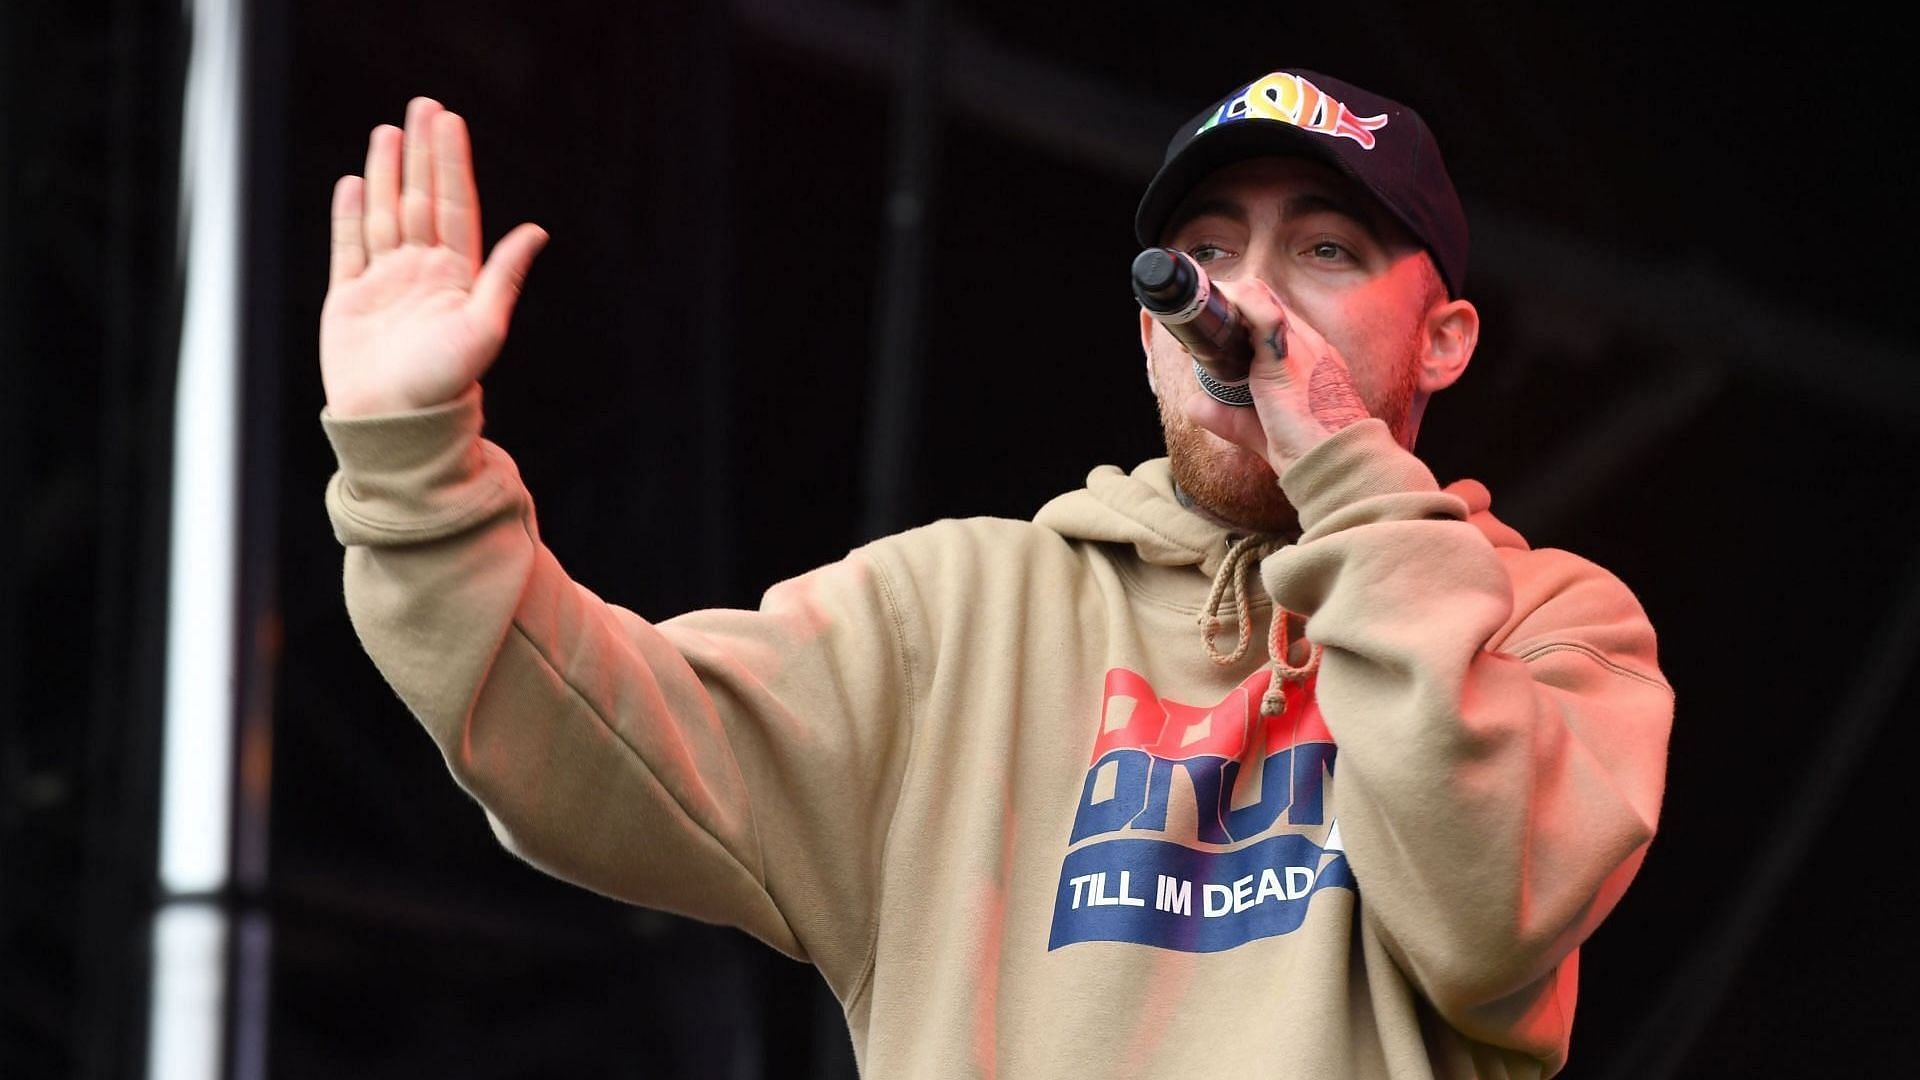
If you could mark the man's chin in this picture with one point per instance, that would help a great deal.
(1232, 485)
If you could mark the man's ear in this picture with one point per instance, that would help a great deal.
(1146, 347)
(1453, 329)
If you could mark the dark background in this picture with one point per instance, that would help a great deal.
(1693, 240)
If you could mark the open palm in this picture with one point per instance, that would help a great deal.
(412, 316)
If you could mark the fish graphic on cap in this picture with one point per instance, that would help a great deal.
(1290, 99)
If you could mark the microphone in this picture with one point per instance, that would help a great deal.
(1176, 291)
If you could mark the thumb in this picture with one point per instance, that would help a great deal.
(498, 287)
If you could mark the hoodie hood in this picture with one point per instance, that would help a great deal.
(1140, 509)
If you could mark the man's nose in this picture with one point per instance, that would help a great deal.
(1264, 264)
(1255, 276)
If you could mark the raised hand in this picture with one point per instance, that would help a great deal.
(412, 317)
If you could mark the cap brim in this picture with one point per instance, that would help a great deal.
(1224, 145)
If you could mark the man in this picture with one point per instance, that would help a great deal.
(1007, 783)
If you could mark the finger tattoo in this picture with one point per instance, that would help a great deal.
(1277, 342)
(1331, 397)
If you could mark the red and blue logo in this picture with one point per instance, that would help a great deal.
(1244, 866)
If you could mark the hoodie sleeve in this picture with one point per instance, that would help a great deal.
(1502, 724)
(734, 766)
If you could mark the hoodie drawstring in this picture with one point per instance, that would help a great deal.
(1279, 644)
(1242, 557)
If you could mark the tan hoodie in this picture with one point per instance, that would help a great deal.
(989, 778)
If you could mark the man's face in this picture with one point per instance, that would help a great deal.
(1340, 264)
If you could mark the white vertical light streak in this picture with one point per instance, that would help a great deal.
(197, 771)
(189, 992)
(187, 1004)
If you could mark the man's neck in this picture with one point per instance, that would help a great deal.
(1233, 528)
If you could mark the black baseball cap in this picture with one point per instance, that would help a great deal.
(1383, 145)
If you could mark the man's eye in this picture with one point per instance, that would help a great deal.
(1327, 249)
(1205, 253)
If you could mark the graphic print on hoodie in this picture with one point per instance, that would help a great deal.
(1197, 825)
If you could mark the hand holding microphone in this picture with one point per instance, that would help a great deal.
(1174, 289)
(1305, 396)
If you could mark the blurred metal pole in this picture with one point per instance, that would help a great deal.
(257, 635)
(892, 420)
(188, 1037)
(195, 813)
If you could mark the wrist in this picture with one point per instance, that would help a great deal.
(1283, 454)
(1356, 463)
(348, 405)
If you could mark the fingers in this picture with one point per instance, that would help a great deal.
(498, 286)
(1311, 378)
(418, 188)
(381, 222)
(416, 192)
(349, 245)
(456, 203)
(1267, 325)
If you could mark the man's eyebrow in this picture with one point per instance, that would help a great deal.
(1214, 207)
(1302, 205)
(1315, 203)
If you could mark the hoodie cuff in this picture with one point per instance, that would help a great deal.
(1357, 462)
(412, 476)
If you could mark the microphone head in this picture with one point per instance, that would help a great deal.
(1163, 280)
